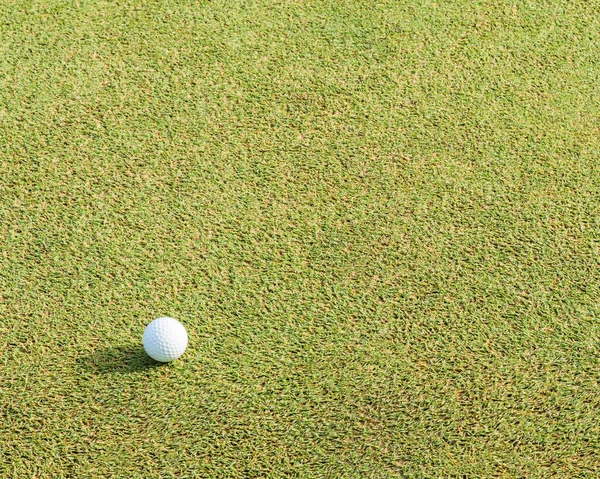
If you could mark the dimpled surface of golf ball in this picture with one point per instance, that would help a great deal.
(165, 339)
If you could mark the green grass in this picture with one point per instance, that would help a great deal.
(379, 221)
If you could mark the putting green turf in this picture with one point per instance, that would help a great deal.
(379, 222)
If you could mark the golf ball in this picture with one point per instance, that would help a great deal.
(165, 339)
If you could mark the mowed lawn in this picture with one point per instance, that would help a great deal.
(378, 220)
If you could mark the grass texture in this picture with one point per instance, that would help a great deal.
(379, 222)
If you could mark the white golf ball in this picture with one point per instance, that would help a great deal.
(165, 339)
